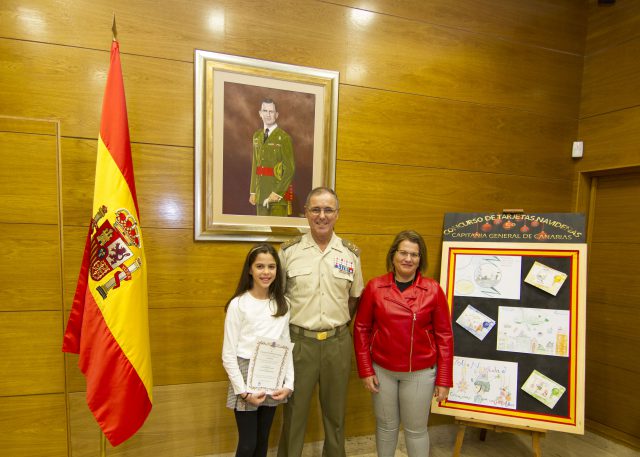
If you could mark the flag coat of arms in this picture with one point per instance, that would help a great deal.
(108, 325)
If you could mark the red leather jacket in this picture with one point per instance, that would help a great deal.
(405, 331)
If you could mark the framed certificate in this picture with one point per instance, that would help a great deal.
(268, 365)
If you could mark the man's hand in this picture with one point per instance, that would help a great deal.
(252, 199)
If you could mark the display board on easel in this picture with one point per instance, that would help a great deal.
(516, 286)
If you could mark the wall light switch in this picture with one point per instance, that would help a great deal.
(577, 149)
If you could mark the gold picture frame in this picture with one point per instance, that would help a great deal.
(229, 92)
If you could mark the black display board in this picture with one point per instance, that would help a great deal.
(496, 264)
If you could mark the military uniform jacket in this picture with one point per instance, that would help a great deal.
(275, 154)
(319, 284)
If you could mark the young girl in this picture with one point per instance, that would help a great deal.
(257, 309)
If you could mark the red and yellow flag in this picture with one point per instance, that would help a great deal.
(108, 325)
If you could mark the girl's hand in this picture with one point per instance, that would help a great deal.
(441, 393)
(281, 394)
(256, 398)
(371, 383)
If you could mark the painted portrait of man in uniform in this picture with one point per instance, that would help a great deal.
(267, 150)
(265, 135)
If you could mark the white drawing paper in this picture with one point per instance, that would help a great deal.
(533, 331)
(545, 278)
(475, 322)
(488, 276)
(484, 382)
(543, 389)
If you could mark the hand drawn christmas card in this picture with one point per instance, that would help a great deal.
(545, 278)
(488, 276)
(543, 389)
(484, 382)
(475, 322)
(533, 331)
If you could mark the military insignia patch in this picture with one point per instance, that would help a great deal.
(290, 242)
(344, 265)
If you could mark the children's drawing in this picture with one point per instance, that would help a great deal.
(492, 276)
(543, 389)
(545, 278)
(533, 331)
(475, 322)
(484, 382)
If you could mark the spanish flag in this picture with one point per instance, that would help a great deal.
(108, 325)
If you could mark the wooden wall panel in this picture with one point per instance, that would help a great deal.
(186, 345)
(614, 305)
(609, 128)
(456, 64)
(164, 183)
(73, 242)
(75, 83)
(188, 274)
(613, 332)
(28, 126)
(610, 25)
(74, 377)
(623, 214)
(546, 23)
(462, 66)
(28, 185)
(408, 129)
(30, 267)
(610, 140)
(85, 433)
(606, 280)
(611, 79)
(430, 193)
(32, 362)
(612, 404)
(33, 425)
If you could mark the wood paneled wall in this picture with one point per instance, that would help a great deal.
(609, 182)
(444, 106)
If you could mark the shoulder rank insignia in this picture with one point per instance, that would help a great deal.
(287, 244)
(352, 247)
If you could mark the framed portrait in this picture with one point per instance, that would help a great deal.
(265, 135)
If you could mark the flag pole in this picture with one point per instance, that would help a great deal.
(103, 438)
(114, 31)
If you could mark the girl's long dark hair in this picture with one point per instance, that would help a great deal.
(276, 289)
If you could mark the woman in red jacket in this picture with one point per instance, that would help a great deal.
(404, 346)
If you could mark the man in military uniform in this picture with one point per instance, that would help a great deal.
(272, 166)
(323, 284)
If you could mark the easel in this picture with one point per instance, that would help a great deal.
(535, 433)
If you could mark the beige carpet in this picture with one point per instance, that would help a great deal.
(554, 444)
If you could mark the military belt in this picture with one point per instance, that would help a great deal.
(319, 335)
